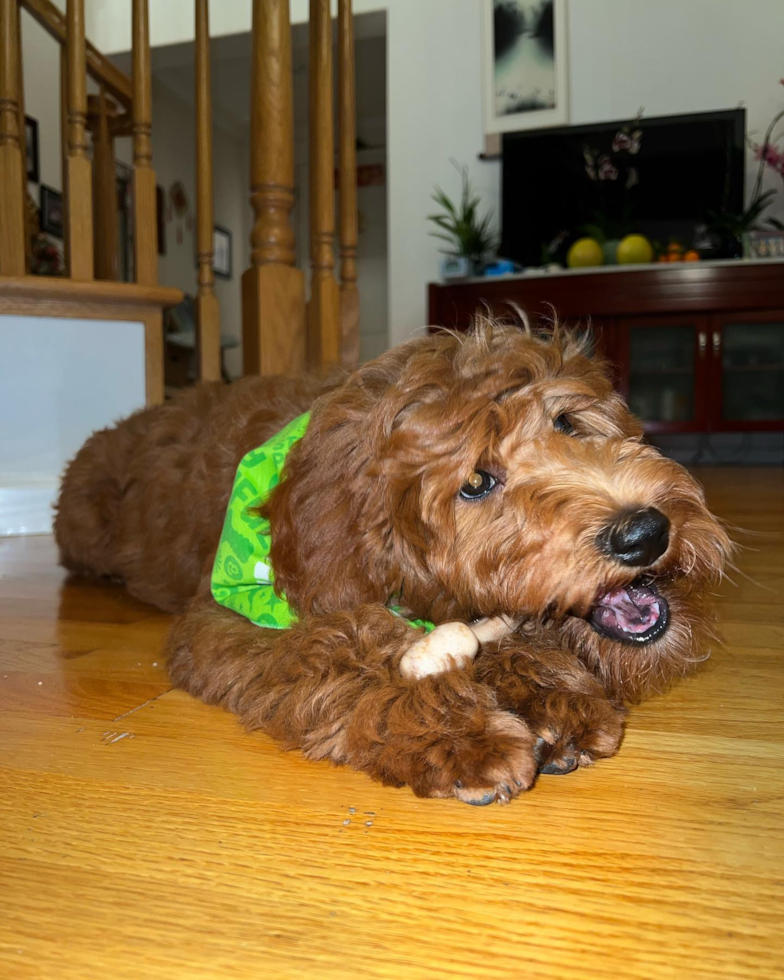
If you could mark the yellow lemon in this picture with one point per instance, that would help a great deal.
(634, 249)
(584, 252)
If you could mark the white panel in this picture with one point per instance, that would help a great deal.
(60, 380)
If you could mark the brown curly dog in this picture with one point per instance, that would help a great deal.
(495, 474)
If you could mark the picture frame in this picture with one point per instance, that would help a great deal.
(221, 252)
(52, 213)
(524, 65)
(32, 160)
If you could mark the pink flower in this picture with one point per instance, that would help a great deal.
(773, 157)
(607, 171)
(627, 141)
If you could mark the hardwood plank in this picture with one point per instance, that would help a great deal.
(145, 834)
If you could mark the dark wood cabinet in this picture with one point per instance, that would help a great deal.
(692, 349)
(747, 376)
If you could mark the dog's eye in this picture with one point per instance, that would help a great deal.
(562, 424)
(478, 485)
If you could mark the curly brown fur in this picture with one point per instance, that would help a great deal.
(370, 507)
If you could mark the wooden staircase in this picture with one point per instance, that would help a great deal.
(284, 331)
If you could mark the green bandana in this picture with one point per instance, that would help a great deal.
(242, 578)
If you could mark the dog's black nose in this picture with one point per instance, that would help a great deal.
(637, 537)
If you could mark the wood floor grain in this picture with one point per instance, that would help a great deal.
(143, 835)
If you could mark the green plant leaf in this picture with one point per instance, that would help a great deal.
(459, 224)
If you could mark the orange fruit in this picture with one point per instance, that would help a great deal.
(691, 256)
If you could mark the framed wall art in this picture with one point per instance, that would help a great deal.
(525, 65)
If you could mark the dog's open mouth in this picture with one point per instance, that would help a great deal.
(636, 613)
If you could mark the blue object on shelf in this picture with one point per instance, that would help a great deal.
(501, 267)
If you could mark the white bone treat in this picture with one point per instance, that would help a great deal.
(451, 645)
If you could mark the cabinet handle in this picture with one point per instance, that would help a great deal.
(716, 343)
(702, 342)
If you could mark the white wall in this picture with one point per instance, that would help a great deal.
(668, 56)
(60, 379)
(434, 115)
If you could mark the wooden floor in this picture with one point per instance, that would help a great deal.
(143, 835)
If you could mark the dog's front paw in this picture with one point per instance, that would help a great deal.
(493, 766)
(573, 730)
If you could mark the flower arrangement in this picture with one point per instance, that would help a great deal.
(769, 155)
(614, 175)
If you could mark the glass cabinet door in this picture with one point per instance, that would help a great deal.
(752, 370)
(663, 370)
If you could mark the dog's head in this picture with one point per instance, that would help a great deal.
(498, 473)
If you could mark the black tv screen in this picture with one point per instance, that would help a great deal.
(686, 166)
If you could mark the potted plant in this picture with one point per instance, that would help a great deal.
(731, 230)
(470, 237)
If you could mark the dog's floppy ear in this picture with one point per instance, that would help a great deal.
(327, 513)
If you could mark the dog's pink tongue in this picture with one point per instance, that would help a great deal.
(634, 609)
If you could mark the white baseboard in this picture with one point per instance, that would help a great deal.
(27, 510)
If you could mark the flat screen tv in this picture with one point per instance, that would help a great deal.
(686, 167)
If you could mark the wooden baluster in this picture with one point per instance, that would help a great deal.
(12, 162)
(28, 241)
(79, 192)
(347, 129)
(101, 113)
(324, 306)
(145, 236)
(207, 307)
(273, 290)
(64, 150)
(144, 215)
